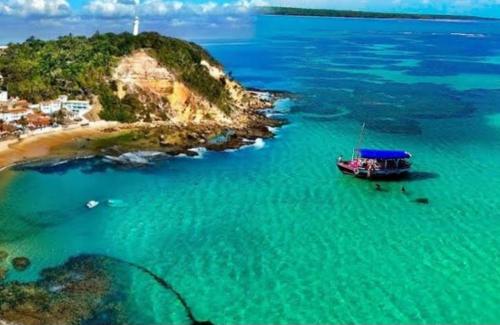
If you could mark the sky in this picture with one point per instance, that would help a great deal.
(196, 19)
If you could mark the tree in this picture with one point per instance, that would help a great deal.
(60, 117)
(23, 121)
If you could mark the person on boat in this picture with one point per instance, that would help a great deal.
(370, 167)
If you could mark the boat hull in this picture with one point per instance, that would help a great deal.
(347, 169)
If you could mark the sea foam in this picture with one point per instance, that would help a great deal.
(259, 144)
(200, 152)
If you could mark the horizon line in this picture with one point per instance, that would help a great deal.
(384, 12)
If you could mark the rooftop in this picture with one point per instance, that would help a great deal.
(13, 111)
(383, 154)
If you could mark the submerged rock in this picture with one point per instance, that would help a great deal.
(3, 255)
(68, 294)
(139, 158)
(21, 263)
(87, 289)
(3, 273)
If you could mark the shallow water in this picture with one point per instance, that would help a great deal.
(274, 233)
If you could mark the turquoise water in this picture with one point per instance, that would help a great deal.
(277, 234)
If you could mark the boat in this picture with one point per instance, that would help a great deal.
(372, 163)
(375, 163)
(92, 204)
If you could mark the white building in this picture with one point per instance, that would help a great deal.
(135, 31)
(13, 115)
(4, 96)
(73, 106)
(76, 106)
(50, 107)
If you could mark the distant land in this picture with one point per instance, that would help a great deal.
(288, 11)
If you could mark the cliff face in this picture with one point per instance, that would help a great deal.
(166, 98)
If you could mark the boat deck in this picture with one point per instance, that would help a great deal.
(351, 168)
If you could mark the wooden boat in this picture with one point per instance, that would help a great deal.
(370, 163)
(373, 163)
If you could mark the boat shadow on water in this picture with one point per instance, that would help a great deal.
(420, 176)
(411, 177)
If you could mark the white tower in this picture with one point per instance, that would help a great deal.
(136, 19)
(136, 26)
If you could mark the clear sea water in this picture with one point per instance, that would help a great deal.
(277, 234)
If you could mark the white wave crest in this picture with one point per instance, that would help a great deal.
(273, 129)
(469, 35)
(259, 144)
(200, 152)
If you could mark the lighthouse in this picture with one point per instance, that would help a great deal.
(136, 26)
(136, 19)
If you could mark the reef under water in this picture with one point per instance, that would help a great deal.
(86, 289)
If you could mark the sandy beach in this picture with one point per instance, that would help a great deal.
(40, 145)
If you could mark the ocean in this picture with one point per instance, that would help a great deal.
(274, 234)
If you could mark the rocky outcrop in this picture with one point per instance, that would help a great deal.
(3, 255)
(3, 273)
(168, 99)
(87, 289)
(134, 159)
(21, 263)
(67, 294)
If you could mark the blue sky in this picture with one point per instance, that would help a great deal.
(466, 7)
(83, 7)
(20, 19)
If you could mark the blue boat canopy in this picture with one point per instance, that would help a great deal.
(383, 154)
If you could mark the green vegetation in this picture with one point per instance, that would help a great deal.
(116, 109)
(287, 11)
(80, 67)
(122, 139)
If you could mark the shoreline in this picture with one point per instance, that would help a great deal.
(35, 146)
(106, 138)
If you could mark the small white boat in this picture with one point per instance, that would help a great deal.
(92, 204)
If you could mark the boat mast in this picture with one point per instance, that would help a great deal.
(360, 140)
